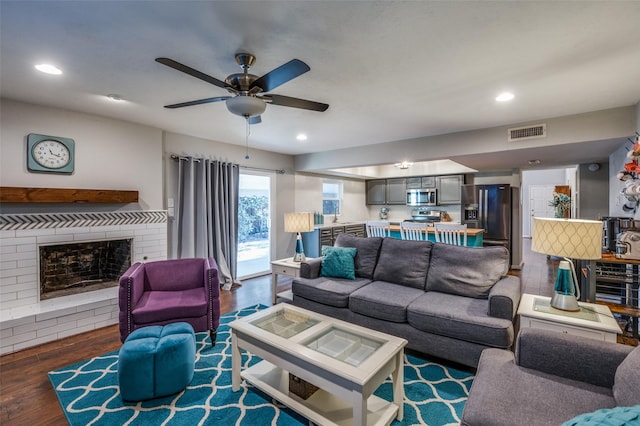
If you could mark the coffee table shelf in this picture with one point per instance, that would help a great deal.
(322, 407)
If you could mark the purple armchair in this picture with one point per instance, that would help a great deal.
(167, 291)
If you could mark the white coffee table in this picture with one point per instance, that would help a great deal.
(347, 362)
(593, 321)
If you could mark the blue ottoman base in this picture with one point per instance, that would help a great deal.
(156, 361)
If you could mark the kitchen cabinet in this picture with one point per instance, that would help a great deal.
(376, 192)
(428, 182)
(396, 191)
(421, 182)
(386, 191)
(414, 183)
(449, 189)
(326, 236)
(357, 230)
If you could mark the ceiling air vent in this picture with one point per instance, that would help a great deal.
(528, 132)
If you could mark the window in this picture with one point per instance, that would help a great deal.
(331, 197)
(254, 224)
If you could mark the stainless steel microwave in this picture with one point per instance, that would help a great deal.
(421, 197)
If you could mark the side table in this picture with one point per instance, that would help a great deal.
(283, 267)
(593, 321)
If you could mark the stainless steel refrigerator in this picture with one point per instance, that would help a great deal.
(488, 207)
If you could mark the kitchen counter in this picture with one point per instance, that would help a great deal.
(470, 231)
(326, 234)
(475, 237)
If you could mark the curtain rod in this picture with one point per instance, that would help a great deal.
(277, 171)
(259, 169)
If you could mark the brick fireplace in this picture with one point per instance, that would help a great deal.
(25, 319)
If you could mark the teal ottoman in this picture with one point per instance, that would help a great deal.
(156, 361)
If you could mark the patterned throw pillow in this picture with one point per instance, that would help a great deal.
(337, 262)
(618, 416)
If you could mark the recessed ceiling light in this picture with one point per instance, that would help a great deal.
(48, 69)
(115, 98)
(504, 97)
(301, 137)
(404, 165)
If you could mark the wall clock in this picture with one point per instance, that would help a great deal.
(50, 154)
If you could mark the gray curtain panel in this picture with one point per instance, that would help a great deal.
(206, 214)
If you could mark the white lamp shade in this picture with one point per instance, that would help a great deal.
(572, 238)
(298, 222)
(246, 106)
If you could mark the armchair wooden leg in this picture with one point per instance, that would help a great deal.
(213, 334)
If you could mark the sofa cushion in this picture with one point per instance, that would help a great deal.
(466, 271)
(366, 255)
(338, 262)
(403, 262)
(627, 380)
(158, 306)
(383, 300)
(618, 416)
(463, 318)
(328, 291)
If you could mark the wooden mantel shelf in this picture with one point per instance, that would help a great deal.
(9, 194)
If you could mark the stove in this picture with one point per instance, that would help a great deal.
(424, 215)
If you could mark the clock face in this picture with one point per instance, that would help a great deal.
(51, 154)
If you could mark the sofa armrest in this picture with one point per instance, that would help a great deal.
(131, 287)
(504, 298)
(572, 357)
(310, 268)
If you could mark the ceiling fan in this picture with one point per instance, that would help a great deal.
(249, 97)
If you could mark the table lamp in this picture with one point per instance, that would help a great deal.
(569, 239)
(298, 222)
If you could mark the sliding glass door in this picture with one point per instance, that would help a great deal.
(254, 224)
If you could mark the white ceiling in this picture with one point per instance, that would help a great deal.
(390, 70)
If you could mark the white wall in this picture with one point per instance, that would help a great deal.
(284, 190)
(308, 189)
(538, 177)
(110, 154)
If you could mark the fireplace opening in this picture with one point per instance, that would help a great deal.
(73, 268)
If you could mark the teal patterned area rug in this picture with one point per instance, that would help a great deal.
(89, 395)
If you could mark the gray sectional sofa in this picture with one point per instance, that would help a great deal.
(448, 301)
(555, 379)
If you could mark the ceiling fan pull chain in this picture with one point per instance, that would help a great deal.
(246, 156)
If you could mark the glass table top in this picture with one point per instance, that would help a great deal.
(344, 346)
(585, 313)
(285, 323)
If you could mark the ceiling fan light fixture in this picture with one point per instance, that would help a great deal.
(246, 106)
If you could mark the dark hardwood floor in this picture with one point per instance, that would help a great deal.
(27, 397)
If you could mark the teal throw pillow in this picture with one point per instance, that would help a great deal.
(337, 262)
(618, 416)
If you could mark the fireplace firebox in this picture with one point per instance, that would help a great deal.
(73, 268)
